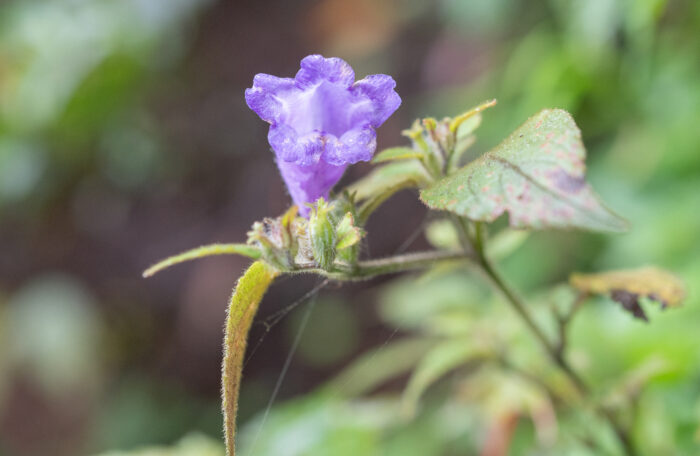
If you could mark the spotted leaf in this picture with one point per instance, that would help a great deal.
(628, 286)
(537, 175)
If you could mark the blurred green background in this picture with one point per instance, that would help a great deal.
(124, 137)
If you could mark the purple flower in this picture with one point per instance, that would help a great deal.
(321, 121)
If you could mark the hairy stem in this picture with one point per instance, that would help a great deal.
(409, 262)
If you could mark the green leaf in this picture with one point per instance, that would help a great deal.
(379, 365)
(437, 362)
(242, 308)
(390, 177)
(204, 251)
(627, 286)
(397, 153)
(536, 175)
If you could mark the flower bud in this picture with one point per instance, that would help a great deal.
(322, 234)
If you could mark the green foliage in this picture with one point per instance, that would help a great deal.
(376, 367)
(436, 363)
(536, 174)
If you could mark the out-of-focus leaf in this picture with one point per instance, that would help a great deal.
(391, 176)
(396, 153)
(378, 366)
(319, 425)
(506, 242)
(408, 303)
(500, 393)
(627, 286)
(631, 385)
(437, 362)
(54, 334)
(191, 445)
(242, 308)
(536, 174)
(442, 234)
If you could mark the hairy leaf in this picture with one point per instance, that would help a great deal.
(204, 251)
(628, 286)
(242, 308)
(537, 175)
(396, 153)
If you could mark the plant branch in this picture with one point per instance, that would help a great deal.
(563, 322)
(400, 263)
(477, 243)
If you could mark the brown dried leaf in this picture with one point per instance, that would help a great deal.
(628, 286)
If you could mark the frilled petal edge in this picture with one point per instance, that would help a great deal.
(379, 89)
(289, 146)
(316, 68)
(354, 146)
(263, 98)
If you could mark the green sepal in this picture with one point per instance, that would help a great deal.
(322, 234)
(347, 233)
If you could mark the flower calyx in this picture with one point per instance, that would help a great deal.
(292, 243)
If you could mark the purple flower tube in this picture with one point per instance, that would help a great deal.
(321, 121)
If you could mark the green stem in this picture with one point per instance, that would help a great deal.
(400, 263)
(477, 243)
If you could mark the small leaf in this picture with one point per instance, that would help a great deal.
(536, 174)
(457, 121)
(242, 308)
(204, 251)
(438, 362)
(393, 176)
(397, 153)
(627, 286)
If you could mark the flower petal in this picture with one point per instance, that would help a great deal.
(355, 145)
(306, 184)
(304, 150)
(265, 96)
(379, 89)
(316, 68)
